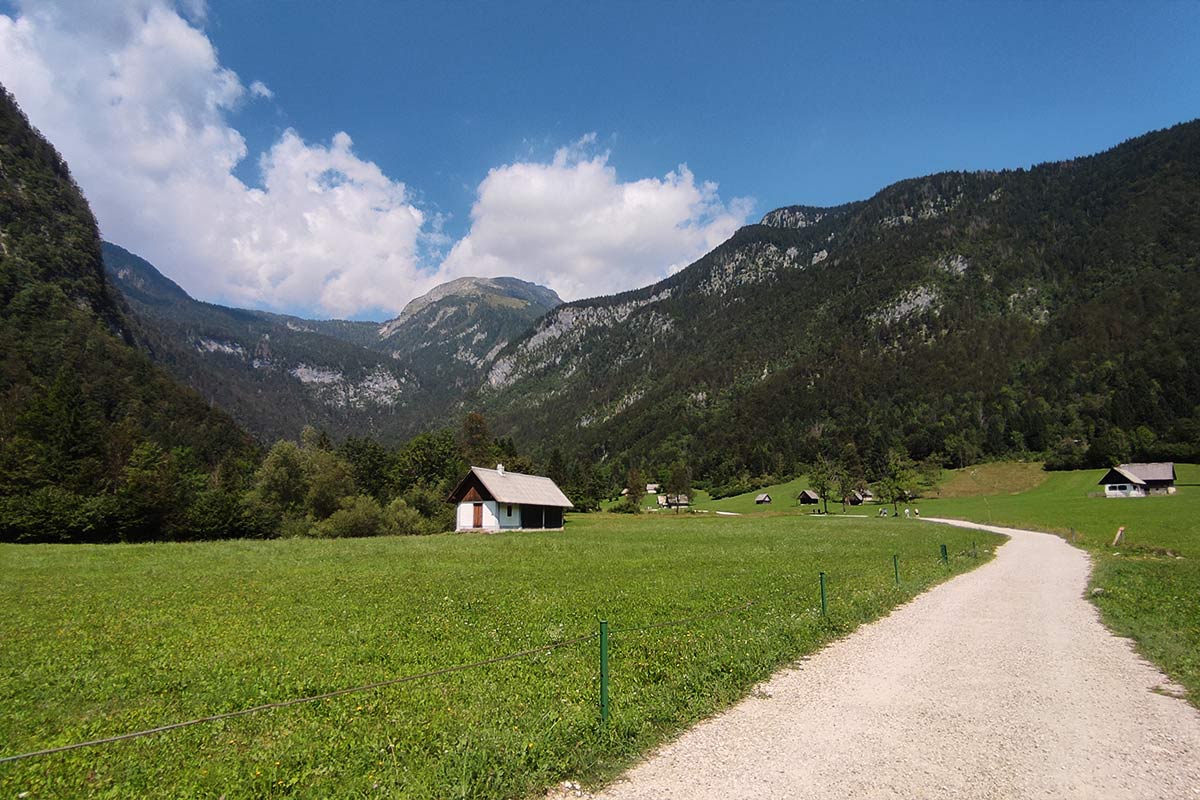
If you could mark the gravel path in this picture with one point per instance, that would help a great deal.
(1001, 683)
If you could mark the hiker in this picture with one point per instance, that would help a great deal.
(907, 513)
(917, 513)
(883, 512)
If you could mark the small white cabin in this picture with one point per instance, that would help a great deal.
(495, 500)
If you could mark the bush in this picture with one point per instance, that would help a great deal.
(404, 520)
(359, 516)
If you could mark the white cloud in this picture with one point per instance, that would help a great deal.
(573, 225)
(134, 96)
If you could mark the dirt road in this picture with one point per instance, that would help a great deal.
(1001, 683)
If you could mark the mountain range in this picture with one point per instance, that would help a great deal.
(275, 373)
(1045, 311)
(961, 315)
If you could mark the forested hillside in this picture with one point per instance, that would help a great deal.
(94, 439)
(955, 317)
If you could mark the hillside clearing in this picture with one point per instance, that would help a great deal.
(1004, 477)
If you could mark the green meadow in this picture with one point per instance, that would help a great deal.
(1150, 584)
(103, 640)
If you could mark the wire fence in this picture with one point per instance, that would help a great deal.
(602, 636)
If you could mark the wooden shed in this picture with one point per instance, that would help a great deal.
(763, 499)
(809, 498)
(494, 500)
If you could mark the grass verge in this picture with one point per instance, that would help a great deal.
(101, 640)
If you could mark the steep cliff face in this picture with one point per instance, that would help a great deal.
(932, 311)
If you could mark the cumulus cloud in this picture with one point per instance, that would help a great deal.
(573, 225)
(135, 97)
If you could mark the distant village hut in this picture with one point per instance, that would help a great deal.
(678, 501)
(855, 498)
(1139, 480)
(762, 499)
(494, 500)
(651, 488)
(809, 498)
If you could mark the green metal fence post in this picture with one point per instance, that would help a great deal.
(604, 670)
(824, 604)
(896, 568)
(945, 557)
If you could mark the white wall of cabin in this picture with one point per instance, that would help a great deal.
(466, 517)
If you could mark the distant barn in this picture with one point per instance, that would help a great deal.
(494, 500)
(809, 498)
(855, 498)
(762, 499)
(1139, 480)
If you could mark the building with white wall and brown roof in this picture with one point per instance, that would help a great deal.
(498, 500)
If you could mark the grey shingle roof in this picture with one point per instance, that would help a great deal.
(1157, 471)
(513, 487)
(1125, 473)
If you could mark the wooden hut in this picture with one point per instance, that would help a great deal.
(809, 498)
(494, 500)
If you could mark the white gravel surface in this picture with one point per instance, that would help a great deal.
(1001, 683)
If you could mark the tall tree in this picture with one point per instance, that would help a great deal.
(821, 477)
(679, 482)
(635, 487)
(477, 443)
(899, 478)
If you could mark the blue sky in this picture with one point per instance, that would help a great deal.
(784, 102)
(546, 140)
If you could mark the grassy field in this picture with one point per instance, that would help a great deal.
(1151, 583)
(101, 640)
(1006, 477)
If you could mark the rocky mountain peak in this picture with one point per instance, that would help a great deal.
(524, 293)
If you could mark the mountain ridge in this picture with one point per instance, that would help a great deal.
(276, 373)
(939, 263)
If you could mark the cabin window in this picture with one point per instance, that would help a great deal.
(508, 510)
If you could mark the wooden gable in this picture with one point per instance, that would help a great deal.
(469, 490)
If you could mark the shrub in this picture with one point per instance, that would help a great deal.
(359, 516)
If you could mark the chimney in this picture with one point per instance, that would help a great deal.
(500, 469)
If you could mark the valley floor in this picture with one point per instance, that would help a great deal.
(1001, 683)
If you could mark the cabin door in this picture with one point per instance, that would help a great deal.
(477, 511)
